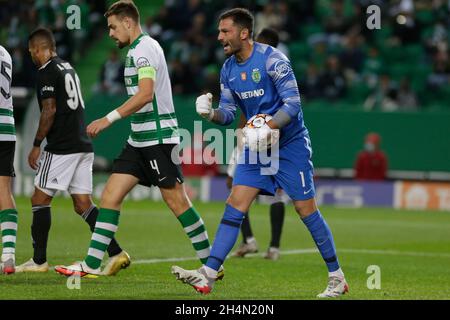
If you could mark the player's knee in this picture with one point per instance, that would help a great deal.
(78, 209)
(176, 198)
(176, 202)
(305, 208)
(5, 187)
(6, 199)
(39, 199)
(237, 202)
(110, 199)
(80, 206)
(171, 203)
(5, 191)
(33, 200)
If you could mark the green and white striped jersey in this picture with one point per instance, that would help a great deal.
(155, 123)
(7, 129)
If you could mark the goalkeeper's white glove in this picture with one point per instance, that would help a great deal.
(260, 139)
(203, 105)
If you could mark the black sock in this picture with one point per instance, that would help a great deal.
(90, 216)
(276, 222)
(246, 229)
(40, 228)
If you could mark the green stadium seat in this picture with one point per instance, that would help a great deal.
(381, 35)
(299, 50)
(425, 17)
(309, 29)
(419, 77)
(323, 8)
(400, 70)
(358, 92)
(413, 52)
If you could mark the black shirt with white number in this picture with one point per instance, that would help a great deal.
(57, 79)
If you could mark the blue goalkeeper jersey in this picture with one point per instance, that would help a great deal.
(264, 83)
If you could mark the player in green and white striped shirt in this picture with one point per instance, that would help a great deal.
(152, 124)
(147, 158)
(8, 212)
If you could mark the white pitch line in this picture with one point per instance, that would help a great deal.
(400, 253)
(313, 250)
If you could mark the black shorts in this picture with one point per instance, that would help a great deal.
(151, 165)
(7, 149)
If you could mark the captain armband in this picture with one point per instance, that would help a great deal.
(147, 73)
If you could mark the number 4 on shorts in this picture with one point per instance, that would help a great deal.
(154, 166)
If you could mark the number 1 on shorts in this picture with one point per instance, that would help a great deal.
(302, 175)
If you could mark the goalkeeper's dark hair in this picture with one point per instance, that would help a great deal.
(45, 36)
(241, 17)
(268, 36)
(122, 9)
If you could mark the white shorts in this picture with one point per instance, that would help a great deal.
(65, 172)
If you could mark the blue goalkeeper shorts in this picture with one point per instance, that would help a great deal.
(291, 170)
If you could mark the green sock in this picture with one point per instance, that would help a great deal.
(8, 223)
(105, 228)
(195, 229)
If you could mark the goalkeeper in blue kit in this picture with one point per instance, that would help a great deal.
(259, 79)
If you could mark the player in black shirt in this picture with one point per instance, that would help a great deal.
(58, 81)
(66, 162)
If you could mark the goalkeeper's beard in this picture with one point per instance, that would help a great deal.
(231, 51)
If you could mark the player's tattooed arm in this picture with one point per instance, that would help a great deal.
(47, 118)
(45, 123)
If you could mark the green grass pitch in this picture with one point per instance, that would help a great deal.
(412, 249)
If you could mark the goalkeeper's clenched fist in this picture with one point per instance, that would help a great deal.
(203, 105)
(260, 139)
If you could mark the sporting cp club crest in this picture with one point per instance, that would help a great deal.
(256, 75)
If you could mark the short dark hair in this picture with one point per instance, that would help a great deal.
(122, 9)
(45, 35)
(268, 36)
(240, 16)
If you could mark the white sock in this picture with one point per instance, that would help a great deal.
(7, 256)
(210, 272)
(87, 268)
(250, 239)
(338, 274)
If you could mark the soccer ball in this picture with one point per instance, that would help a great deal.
(258, 120)
(257, 134)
